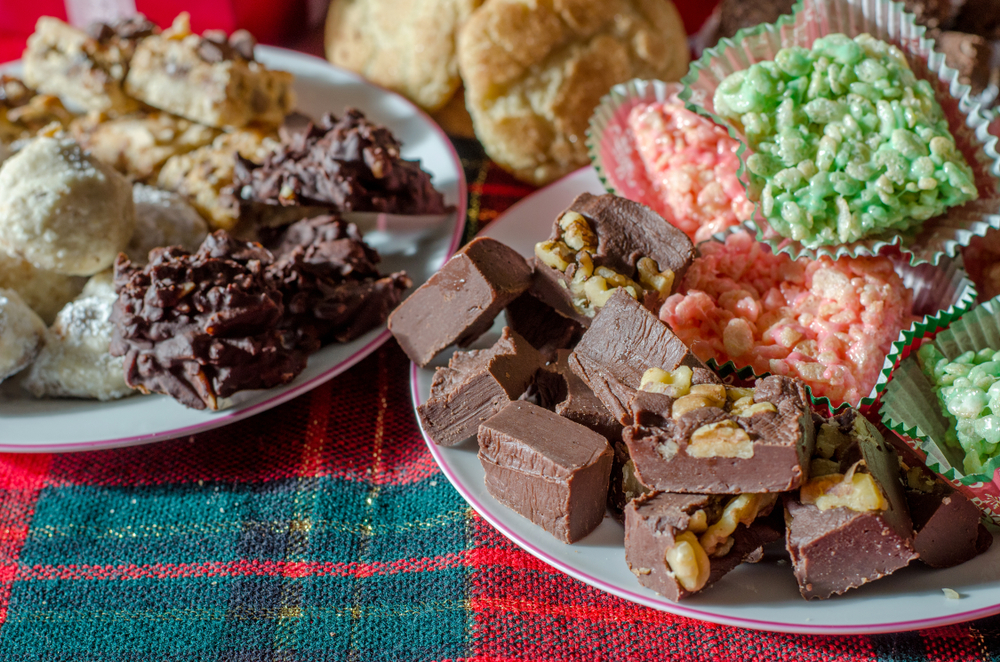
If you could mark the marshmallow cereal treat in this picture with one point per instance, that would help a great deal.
(691, 163)
(968, 390)
(828, 323)
(848, 142)
(75, 362)
(21, 334)
(163, 218)
(63, 210)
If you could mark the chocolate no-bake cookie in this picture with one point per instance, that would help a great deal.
(345, 164)
(329, 281)
(200, 327)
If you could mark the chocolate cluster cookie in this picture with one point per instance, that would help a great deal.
(345, 164)
(329, 281)
(200, 327)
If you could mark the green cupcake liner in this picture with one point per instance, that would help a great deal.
(940, 236)
(911, 409)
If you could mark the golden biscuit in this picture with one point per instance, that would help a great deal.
(403, 45)
(535, 69)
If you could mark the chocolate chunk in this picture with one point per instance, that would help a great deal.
(735, 15)
(100, 31)
(771, 455)
(329, 281)
(946, 527)
(625, 231)
(294, 123)
(541, 325)
(243, 43)
(970, 55)
(475, 386)
(201, 327)
(459, 303)
(129, 29)
(346, 164)
(934, 14)
(981, 17)
(652, 524)
(547, 468)
(213, 51)
(624, 341)
(840, 548)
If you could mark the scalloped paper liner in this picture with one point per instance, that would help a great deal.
(931, 284)
(911, 409)
(885, 20)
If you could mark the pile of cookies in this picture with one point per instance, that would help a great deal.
(532, 72)
(182, 235)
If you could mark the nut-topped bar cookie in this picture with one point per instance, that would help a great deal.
(86, 69)
(211, 79)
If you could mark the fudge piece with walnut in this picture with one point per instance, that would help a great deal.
(85, 69)
(209, 79)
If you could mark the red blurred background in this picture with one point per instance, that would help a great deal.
(293, 23)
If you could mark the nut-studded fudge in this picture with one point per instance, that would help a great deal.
(475, 386)
(87, 69)
(624, 341)
(547, 468)
(679, 544)
(210, 79)
(946, 526)
(138, 144)
(714, 439)
(850, 524)
(459, 303)
(602, 244)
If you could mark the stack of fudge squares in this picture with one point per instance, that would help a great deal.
(177, 157)
(588, 406)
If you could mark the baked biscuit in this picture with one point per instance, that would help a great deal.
(138, 144)
(535, 69)
(404, 45)
(21, 334)
(45, 292)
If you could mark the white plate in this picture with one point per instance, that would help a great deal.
(762, 596)
(68, 425)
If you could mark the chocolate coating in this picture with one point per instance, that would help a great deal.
(201, 327)
(475, 386)
(782, 443)
(346, 164)
(329, 281)
(459, 303)
(547, 468)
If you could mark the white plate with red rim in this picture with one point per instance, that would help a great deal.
(29, 425)
(761, 596)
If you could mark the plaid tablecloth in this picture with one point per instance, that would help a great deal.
(323, 530)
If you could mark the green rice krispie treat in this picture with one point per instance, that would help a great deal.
(968, 389)
(847, 141)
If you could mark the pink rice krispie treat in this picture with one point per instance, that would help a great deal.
(828, 323)
(691, 164)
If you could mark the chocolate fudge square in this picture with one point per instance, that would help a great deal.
(850, 524)
(459, 303)
(679, 544)
(715, 439)
(946, 526)
(547, 468)
(625, 341)
(476, 385)
(541, 325)
(563, 392)
(602, 244)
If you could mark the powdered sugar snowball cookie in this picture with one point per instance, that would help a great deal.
(406, 46)
(62, 210)
(75, 362)
(163, 218)
(45, 292)
(21, 334)
(534, 72)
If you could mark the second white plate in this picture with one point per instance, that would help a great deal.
(761, 596)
